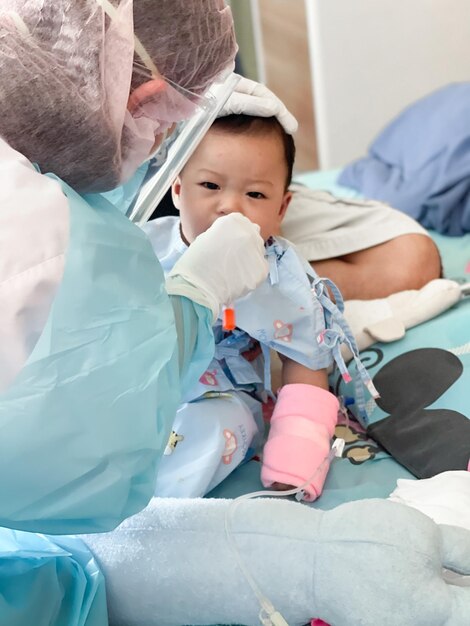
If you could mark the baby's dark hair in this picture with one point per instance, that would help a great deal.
(254, 125)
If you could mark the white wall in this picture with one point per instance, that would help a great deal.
(370, 58)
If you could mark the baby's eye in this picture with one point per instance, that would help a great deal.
(208, 185)
(257, 195)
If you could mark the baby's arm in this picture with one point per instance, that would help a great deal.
(302, 426)
(293, 373)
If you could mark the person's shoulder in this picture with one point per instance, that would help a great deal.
(163, 233)
(165, 237)
(25, 190)
(10, 155)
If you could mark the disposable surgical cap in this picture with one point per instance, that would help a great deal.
(67, 70)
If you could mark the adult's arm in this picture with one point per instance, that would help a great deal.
(223, 264)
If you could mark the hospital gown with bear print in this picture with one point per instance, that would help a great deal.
(219, 423)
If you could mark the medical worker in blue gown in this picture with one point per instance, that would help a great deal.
(94, 345)
(95, 348)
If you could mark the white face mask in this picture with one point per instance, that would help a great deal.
(155, 116)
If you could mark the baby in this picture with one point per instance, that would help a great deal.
(244, 165)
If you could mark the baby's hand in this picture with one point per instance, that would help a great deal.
(298, 446)
(281, 487)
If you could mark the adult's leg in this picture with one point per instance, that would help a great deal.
(367, 248)
(383, 261)
(406, 262)
(390, 287)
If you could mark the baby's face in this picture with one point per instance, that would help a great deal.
(233, 173)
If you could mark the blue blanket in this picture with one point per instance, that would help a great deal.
(420, 163)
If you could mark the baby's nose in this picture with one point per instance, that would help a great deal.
(230, 203)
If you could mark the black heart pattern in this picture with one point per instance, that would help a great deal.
(425, 441)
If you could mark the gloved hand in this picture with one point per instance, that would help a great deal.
(367, 562)
(302, 425)
(252, 98)
(223, 264)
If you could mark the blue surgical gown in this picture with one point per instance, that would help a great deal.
(86, 420)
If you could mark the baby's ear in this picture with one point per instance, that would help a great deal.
(176, 191)
(285, 203)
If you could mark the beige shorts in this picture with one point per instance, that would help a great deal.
(323, 226)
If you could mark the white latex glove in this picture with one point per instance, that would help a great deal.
(223, 264)
(252, 98)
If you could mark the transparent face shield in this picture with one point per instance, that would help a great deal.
(178, 144)
(161, 120)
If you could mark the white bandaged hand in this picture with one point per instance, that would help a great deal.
(252, 98)
(223, 264)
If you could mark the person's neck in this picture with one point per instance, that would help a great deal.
(185, 241)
